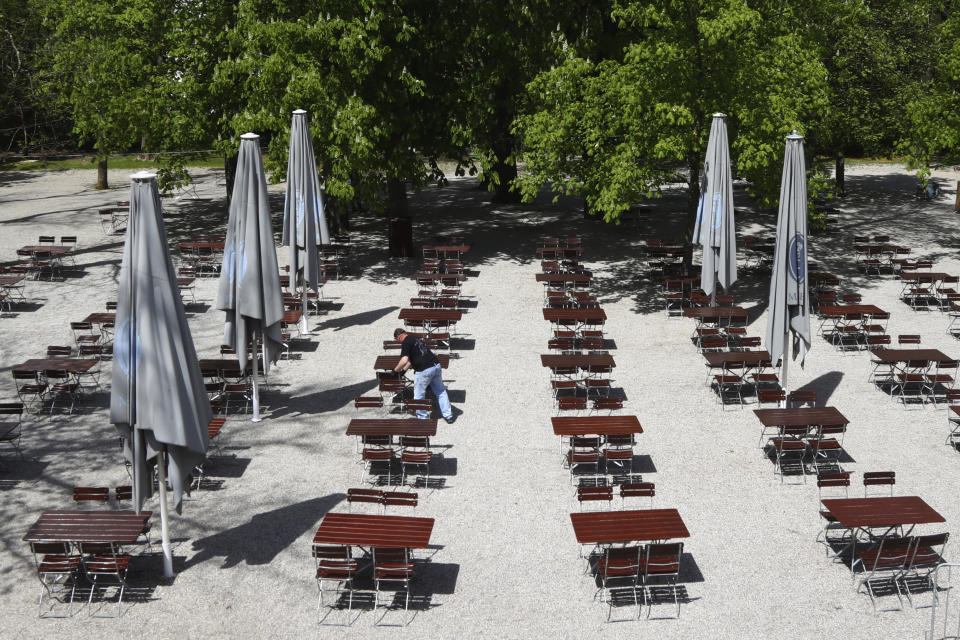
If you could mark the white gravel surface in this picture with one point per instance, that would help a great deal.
(504, 562)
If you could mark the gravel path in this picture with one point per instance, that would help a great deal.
(504, 561)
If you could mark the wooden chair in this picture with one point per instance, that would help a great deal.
(364, 496)
(878, 479)
(334, 563)
(30, 388)
(802, 397)
(61, 383)
(11, 425)
(415, 452)
(661, 562)
(56, 566)
(105, 560)
(926, 556)
(400, 499)
(890, 558)
(772, 396)
(391, 567)
(124, 493)
(831, 485)
(587, 494)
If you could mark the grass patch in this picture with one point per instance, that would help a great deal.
(210, 160)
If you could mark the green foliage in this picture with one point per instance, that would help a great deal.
(172, 174)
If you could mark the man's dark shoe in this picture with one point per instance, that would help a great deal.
(451, 419)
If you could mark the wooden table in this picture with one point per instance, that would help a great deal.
(565, 251)
(228, 367)
(577, 360)
(664, 250)
(715, 314)
(800, 417)
(365, 530)
(840, 310)
(611, 527)
(70, 365)
(65, 525)
(596, 425)
(823, 278)
(392, 427)
(193, 245)
(430, 315)
(101, 318)
(444, 249)
(750, 358)
(895, 356)
(575, 315)
(388, 363)
(564, 278)
(53, 249)
(459, 277)
(924, 276)
(855, 513)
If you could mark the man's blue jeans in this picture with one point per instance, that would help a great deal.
(431, 378)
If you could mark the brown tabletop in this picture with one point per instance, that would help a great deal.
(924, 276)
(193, 245)
(800, 416)
(447, 248)
(881, 512)
(101, 318)
(70, 365)
(388, 363)
(882, 248)
(365, 530)
(422, 315)
(459, 277)
(751, 358)
(892, 356)
(61, 525)
(609, 527)
(816, 277)
(185, 282)
(567, 251)
(839, 310)
(578, 315)
(716, 313)
(596, 425)
(664, 250)
(9, 281)
(392, 427)
(576, 278)
(55, 249)
(578, 360)
(226, 365)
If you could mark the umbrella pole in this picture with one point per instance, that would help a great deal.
(256, 389)
(304, 311)
(785, 367)
(164, 518)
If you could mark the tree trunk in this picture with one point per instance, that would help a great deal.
(230, 171)
(693, 201)
(839, 175)
(506, 171)
(102, 172)
(397, 198)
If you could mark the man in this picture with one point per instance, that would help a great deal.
(414, 353)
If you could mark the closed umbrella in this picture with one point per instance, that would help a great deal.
(715, 229)
(249, 279)
(157, 400)
(304, 225)
(789, 308)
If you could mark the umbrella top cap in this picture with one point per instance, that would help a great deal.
(250, 136)
(143, 176)
(719, 115)
(794, 136)
(299, 112)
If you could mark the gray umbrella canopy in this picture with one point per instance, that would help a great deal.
(249, 279)
(715, 229)
(789, 308)
(157, 398)
(304, 225)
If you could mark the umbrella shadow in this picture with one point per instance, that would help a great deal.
(824, 385)
(260, 540)
(322, 401)
(367, 317)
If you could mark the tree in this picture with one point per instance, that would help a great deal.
(614, 130)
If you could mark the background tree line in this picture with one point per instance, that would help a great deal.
(604, 99)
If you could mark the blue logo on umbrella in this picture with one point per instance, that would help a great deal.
(717, 210)
(234, 271)
(798, 258)
(126, 346)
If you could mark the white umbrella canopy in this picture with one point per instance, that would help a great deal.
(715, 228)
(157, 399)
(788, 311)
(249, 279)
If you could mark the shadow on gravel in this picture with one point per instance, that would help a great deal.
(357, 319)
(266, 535)
(322, 401)
(824, 385)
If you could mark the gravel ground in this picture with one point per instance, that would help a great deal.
(504, 561)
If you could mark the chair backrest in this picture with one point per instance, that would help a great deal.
(638, 490)
(585, 442)
(620, 440)
(839, 479)
(771, 395)
(415, 442)
(400, 499)
(592, 493)
(91, 494)
(331, 552)
(565, 403)
(925, 550)
(50, 548)
(908, 339)
(56, 351)
(664, 559)
(47, 240)
(802, 396)
(875, 340)
(879, 478)
(68, 239)
(851, 298)
(892, 554)
(11, 408)
(123, 493)
(609, 404)
(831, 430)
(374, 496)
(81, 326)
(56, 374)
(90, 351)
(25, 375)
